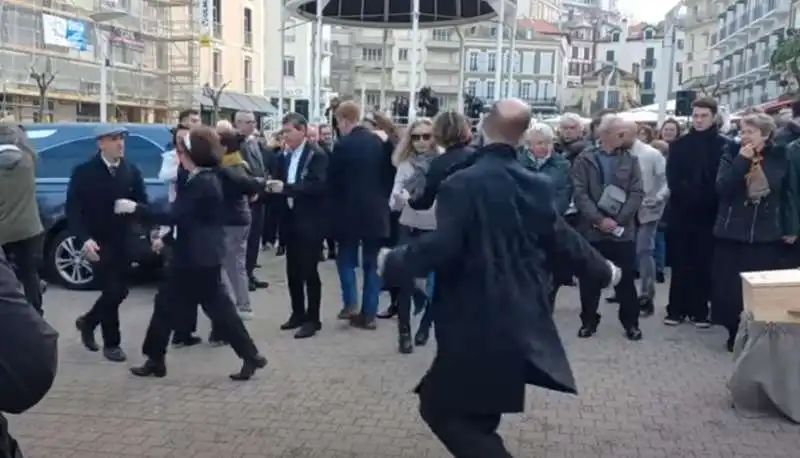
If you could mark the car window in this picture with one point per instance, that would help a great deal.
(143, 153)
(59, 161)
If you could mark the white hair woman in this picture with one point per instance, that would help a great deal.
(570, 141)
(412, 157)
(757, 215)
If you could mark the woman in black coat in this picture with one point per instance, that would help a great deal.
(198, 214)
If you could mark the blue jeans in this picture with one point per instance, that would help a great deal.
(346, 264)
(660, 253)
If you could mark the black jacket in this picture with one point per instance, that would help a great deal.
(357, 177)
(691, 177)
(91, 194)
(198, 214)
(787, 134)
(237, 188)
(309, 194)
(496, 228)
(767, 220)
(440, 169)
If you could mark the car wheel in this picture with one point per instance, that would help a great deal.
(67, 264)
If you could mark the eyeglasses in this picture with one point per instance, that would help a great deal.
(418, 137)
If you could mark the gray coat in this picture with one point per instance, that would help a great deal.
(251, 153)
(588, 182)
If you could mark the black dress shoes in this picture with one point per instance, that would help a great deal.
(186, 341)
(280, 251)
(422, 336)
(115, 354)
(87, 335)
(293, 323)
(249, 367)
(254, 284)
(390, 312)
(150, 368)
(307, 330)
(404, 345)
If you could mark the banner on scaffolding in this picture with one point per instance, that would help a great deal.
(205, 11)
(63, 32)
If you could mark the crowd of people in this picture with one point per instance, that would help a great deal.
(477, 233)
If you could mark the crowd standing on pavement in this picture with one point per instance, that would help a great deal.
(475, 233)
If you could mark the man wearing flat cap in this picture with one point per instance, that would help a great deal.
(103, 235)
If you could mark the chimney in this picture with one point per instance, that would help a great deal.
(623, 35)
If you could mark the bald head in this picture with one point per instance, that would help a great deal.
(507, 122)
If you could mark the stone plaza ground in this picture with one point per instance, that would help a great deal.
(347, 394)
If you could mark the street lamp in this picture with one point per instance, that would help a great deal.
(111, 11)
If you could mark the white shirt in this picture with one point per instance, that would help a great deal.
(294, 163)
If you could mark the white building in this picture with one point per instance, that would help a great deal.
(747, 33)
(639, 49)
(699, 25)
(297, 62)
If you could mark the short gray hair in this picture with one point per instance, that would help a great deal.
(761, 121)
(540, 130)
(241, 115)
(12, 134)
(224, 125)
(570, 118)
(608, 121)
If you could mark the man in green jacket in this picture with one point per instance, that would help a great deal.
(21, 231)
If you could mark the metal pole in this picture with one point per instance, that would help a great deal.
(315, 111)
(384, 57)
(462, 53)
(665, 93)
(363, 96)
(412, 79)
(103, 77)
(498, 64)
(282, 81)
(512, 54)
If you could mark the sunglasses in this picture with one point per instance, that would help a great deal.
(418, 137)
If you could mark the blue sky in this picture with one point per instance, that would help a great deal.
(647, 10)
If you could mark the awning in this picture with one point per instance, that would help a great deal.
(236, 101)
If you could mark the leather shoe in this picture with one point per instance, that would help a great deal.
(405, 347)
(87, 335)
(249, 367)
(115, 354)
(390, 312)
(421, 338)
(293, 323)
(150, 368)
(307, 330)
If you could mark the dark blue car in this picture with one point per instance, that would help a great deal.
(60, 147)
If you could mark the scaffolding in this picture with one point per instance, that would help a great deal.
(150, 48)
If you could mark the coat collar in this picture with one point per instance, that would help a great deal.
(500, 150)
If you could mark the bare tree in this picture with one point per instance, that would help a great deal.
(215, 95)
(44, 80)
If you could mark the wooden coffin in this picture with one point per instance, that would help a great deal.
(772, 296)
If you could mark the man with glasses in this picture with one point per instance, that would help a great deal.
(245, 123)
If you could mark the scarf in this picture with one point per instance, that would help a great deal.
(415, 185)
(756, 179)
(234, 158)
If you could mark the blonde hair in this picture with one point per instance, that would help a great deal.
(404, 148)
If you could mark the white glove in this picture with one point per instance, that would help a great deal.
(382, 254)
(124, 206)
(616, 274)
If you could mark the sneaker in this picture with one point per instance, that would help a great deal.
(672, 321)
(702, 323)
(634, 334)
(245, 314)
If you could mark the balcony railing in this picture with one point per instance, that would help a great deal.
(689, 57)
(749, 101)
(728, 72)
(754, 62)
(713, 39)
(248, 39)
(650, 88)
(217, 30)
(764, 98)
(648, 63)
(740, 68)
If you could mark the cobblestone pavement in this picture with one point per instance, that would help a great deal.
(346, 394)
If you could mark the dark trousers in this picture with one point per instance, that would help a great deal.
(195, 285)
(26, 255)
(690, 283)
(729, 260)
(465, 435)
(254, 237)
(410, 293)
(270, 232)
(111, 272)
(302, 276)
(623, 254)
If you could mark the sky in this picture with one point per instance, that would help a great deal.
(647, 10)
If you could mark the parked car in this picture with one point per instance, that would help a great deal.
(60, 147)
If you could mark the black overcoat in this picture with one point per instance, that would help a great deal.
(496, 226)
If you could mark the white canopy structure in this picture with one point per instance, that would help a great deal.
(654, 107)
(649, 117)
(394, 14)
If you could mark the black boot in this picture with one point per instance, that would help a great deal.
(249, 367)
(404, 343)
(422, 336)
(150, 368)
(588, 329)
(87, 334)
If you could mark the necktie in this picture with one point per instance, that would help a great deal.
(112, 169)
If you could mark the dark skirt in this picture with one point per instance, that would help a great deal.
(729, 260)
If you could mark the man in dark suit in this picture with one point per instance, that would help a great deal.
(105, 237)
(359, 202)
(302, 179)
(494, 328)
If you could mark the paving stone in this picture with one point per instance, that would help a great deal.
(347, 393)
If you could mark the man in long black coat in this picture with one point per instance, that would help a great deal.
(496, 226)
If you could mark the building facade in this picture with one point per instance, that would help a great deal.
(162, 56)
(746, 34)
(699, 25)
(360, 54)
(643, 51)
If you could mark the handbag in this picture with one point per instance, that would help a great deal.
(612, 200)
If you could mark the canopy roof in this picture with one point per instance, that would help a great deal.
(396, 14)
